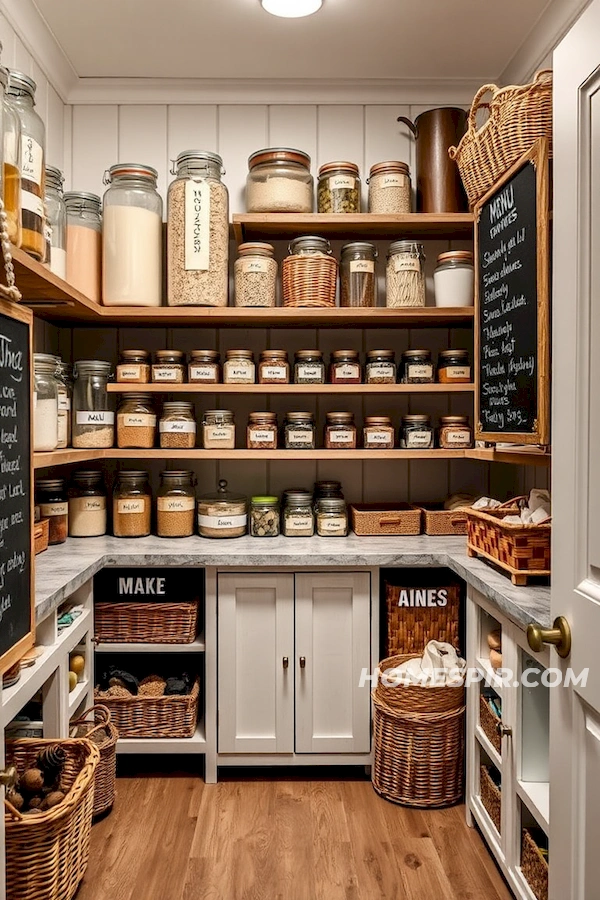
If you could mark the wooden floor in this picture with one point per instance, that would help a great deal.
(281, 836)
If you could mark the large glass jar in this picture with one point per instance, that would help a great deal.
(309, 367)
(454, 279)
(84, 243)
(218, 429)
(378, 433)
(380, 367)
(132, 504)
(416, 433)
(178, 425)
(93, 416)
(87, 505)
(134, 367)
(405, 279)
(239, 367)
(264, 516)
(389, 188)
(273, 367)
(357, 275)
(45, 402)
(54, 506)
(417, 367)
(222, 514)
(299, 431)
(339, 188)
(261, 433)
(332, 518)
(455, 433)
(65, 403)
(168, 367)
(198, 232)
(136, 422)
(11, 171)
(344, 367)
(132, 237)
(279, 180)
(175, 504)
(255, 272)
(56, 216)
(298, 517)
(21, 91)
(204, 367)
(340, 431)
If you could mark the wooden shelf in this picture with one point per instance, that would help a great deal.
(197, 646)
(195, 744)
(520, 456)
(343, 226)
(65, 457)
(48, 295)
(352, 389)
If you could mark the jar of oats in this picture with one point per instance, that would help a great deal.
(132, 502)
(389, 188)
(136, 422)
(204, 367)
(339, 188)
(261, 433)
(175, 504)
(239, 367)
(177, 426)
(255, 272)
(134, 367)
(273, 367)
(218, 430)
(168, 367)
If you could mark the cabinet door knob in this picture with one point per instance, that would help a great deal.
(286, 662)
(302, 662)
(559, 635)
(504, 730)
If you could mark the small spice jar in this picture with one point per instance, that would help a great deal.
(262, 431)
(454, 279)
(340, 431)
(134, 367)
(332, 518)
(264, 517)
(93, 425)
(53, 504)
(222, 514)
(380, 367)
(169, 366)
(298, 517)
(177, 426)
(416, 433)
(454, 367)
(339, 188)
(279, 180)
(378, 433)
(309, 367)
(45, 402)
(405, 279)
(218, 430)
(87, 505)
(299, 431)
(136, 422)
(255, 275)
(344, 367)
(132, 504)
(239, 367)
(417, 367)
(204, 367)
(357, 275)
(273, 367)
(389, 188)
(175, 504)
(455, 433)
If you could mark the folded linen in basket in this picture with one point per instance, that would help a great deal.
(439, 666)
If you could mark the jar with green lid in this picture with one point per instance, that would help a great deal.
(405, 276)
(380, 367)
(309, 367)
(175, 504)
(84, 243)
(21, 93)
(136, 422)
(339, 188)
(177, 425)
(53, 504)
(358, 283)
(255, 275)
(203, 367)
(332, 518)
(264, 516)
(416, 433)
(298, 517)
(93, 424)
(56, 221)
(417, 367)
(279, 180)
(299, 431)
(134, 367)
(390, 190)
(87, 505)
(45, 402)
(132, 504)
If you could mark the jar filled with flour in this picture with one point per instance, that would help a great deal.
(132, 237)
(198, 232)
(45, 402)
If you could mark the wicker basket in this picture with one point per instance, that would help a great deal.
(174, 716)
(146, 623)
(491, 798)
(41, 534)
(534, 867)
(410, 628)
(440, 521)
(489, 722)
(418, 742)
(385, 518)
(104, 734)
(309, 281)
(518, 116)
(47, 854)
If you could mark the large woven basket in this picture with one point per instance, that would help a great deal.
(518, 116)
(146, 623)
(174, 716)
(309, 281)
(101, 731)
(534, 866)
(47, 854)
(410, 628)
(491, 797)
(418, 757)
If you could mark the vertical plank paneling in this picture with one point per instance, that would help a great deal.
(294, 126)
(95, 143)
(7, 38)
(385, 138)
(242, 130)
(55, 148)
(41, 92)
(23, 61)
(341, 134)
(191, 128)
(143, 139)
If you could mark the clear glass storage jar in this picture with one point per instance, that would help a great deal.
(405, 278)
(175, 504)
(203, 367)
(54, 506)
(134, 367)
(339, 188)
(21, 92)
(132, 504)
(454, 279)
(45, 402)
(198, 232)
(358, 283)
(279, 180)
(455, 433)
(255, 275)
(84, 243)
(239, 367)
(168, 367)
(65, 403)
(222, 514)
(218, 429)
(93, 424)
(11, 170)
(273, 367)
(299, 431)
(327, 489)
(332, 518)
(340, 431)
(298, 515)
(56, 217)
(261, 433)
(417, 367)
(380, 367)
(390, 190)
(378, 433)
(264, 516)
(132, 237)
(344, 367)
(416, 433)
(178, 425)
(309, 367)
(136, 422)
(454, 367)
(87, 505)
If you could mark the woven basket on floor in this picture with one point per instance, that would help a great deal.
(490, 797)
(47, 854)
(410, 628)
(173, 716)
(146, 623)
(103, 733)
(309, 281)
(534, 867)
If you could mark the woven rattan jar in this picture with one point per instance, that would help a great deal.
(309, 274)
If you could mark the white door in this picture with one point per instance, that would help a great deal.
(575, 711)
(333, 639)
(256, 663)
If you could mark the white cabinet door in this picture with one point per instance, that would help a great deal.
(333, 628)
(256, 663)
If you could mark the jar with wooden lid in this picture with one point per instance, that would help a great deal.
(239, 367)
(11, 171)
(204, 367)
(261, 433)
(168, 367)
(455, 433)
(332, 518)
(255, 275)
(339, 188)
(378, 433)
(345, 367)
(218, 430)
(416, 433)
(45, 402)
(309, 367)
(454, 367)
(87, 505)
(222, 514)
(134, 367)
(417, 367)
(175, 504)
(136, 422)
(132, 504)
(53, 503)
(273, 367)
(454, 279)
(357, 275)
(279, 180)
(298, 516)
(84, 243)
(405, 278)
(177, 427)
(93, 422)
(299, 431)
(380, 367)
(56, 221)
(390, 191)
(264, 517)
(340, 431)
(21, 93)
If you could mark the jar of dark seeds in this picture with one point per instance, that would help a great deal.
(264, 517)
(357, 275)
(299, 431)
(177, 426)
(309, 367)
(380, 367)
(416, 433)
(417, 367)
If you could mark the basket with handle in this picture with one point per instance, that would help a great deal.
(385, 518)
(101, 731)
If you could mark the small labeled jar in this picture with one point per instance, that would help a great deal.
(405, 278)
(218, 430)
(340, 431)
(339, 188)
(273, 367)
(417, 367)
(264, 516)
(203, 367)
(309, 367)
(255, 275)
(299, 431)
(344, 367)
(45, 402)
(298, 516)
(239, 367)
(53, 503)
(389, 188)
(136, 422)
(134, 367)
(56, 221)
(175, 504)
(416, 433)
(358, 284)
(454, 279)
(222, 514)
(279, 180)
(93, 424)
(177, 426)
(378, 433)
(455, 433)
(454, 367)
(380, 367)
(261, 433)
(87, 505)
(332, 518)
(168, 367)
(132, 504)
(65, 402)
(84, 243)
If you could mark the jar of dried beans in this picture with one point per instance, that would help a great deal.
(417, 367)
(273, 367)
(177, 426)
(299, 431)
(416, 433)
(332, 518)
(309, 367)
(339, 188)
(239, 367)
(357, 275)
(132, 502)
(378, 433)
(279, 180)
(175, 504)
(204, 367)
(455, 433)
(93, 424)
(87, 505)
(345, 367)
(168, 367)
(454, 367)
(134, 367)
(264, 517)
(405, 278)
(389, 188)
(380, 367)
(340, 431)
(262, 431)
(136, 422)
(54, 506)
(255, 273)
(218, 430)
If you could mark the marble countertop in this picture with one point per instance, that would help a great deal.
(60, 570)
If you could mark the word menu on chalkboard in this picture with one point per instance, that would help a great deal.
(512, 334)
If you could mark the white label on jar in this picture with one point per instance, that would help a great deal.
(255, 265)
(222, 521)
(256, 437)
(175, 504)
(378, 437)
(309, 371)
(90, 504)
(332, 524)
(202, 373)
(362, 265)
(175, 427)
(425, 371)
(53, 509)
(219, 433)
(64, 402)
(239, 372)
(418, 439)
(32, 160)
(457, 437)
(164, 373)
(125, 507)
(390, 181)
(381, 370)
(342, 182)
(346, 371)
(32, 203)
(407, 264)
(298, 522)
(129, 373)
(138, 420)
(300, 437)
(94, 417)
(278, 372)
(457, 372)
(341, 437)
(197, 226)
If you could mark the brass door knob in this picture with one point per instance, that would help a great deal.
(302, 662)
(8, 777)
(504, 730)
(559, 635)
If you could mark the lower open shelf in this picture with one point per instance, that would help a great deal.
(536, 797)
(197, 646)
(195, 744)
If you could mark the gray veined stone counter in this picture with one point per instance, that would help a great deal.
(62, 569)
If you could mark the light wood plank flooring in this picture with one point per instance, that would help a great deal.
(309, 835)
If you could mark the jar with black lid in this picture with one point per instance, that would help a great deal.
(454, 367)
(417, 367)
(299, 431)
(54, 506)
(309, 367)
(380, 367)
(331, 489)
(345, 367)
(416, 433)
(134, 367)
(204, 367)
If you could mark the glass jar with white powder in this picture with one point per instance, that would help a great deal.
(87, 505)
(45, 402)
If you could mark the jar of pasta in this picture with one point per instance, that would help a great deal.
(136, 422)
(204, 367)
(255, 273)
(389, 188)
(134, 367)
(339, 188)
(177, 425)
(455, 433)
(218, 430)
(340, 431)
(405, 278)
(309, 367)
(378, 433)
(262, 431)
(132, 502)
(345, 367)
(380, 367)
(239, 367)
(416, 433)
(169, 367)
(273, 367)
(175, 504)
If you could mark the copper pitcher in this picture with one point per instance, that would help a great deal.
(439, 188)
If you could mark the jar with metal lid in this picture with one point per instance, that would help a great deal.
(309, 367)
(405, 278)
(87, 505)
(222, 514)
(255, 275)
(84, 243)
(53, 503)
(454, 279)
(132, 504)
(378, 433)
(261, 433)
(56, 220)
(175, 504)
(279, 180)
(309, 273)
(344, 367)
(455, 433)
(136, 422)
(93, 423)
(298, 516)
(358, 284)
(132, 237)
(417, 367)
(177, 426)
(273, 367)
(339, 188)
(65, 402)
(45, 402)
(454, 367)
(299, 431)
(134, 367)
(239, 367)
(264, 516)
(380, 367)
(218, 430)
(11, 170)
(416, 433)
(332, 518)
(203, 367)
(340, 431)
(168, 367)
(198, 232)
(390, 190)
(21, 92)
(327, 489)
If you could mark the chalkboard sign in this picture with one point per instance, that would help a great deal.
(17, 596)
(511, 280)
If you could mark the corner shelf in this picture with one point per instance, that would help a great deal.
(348, 389)
(342, 226)
(520, 456)
(536, 797)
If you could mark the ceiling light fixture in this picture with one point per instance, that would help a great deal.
(291, 9)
